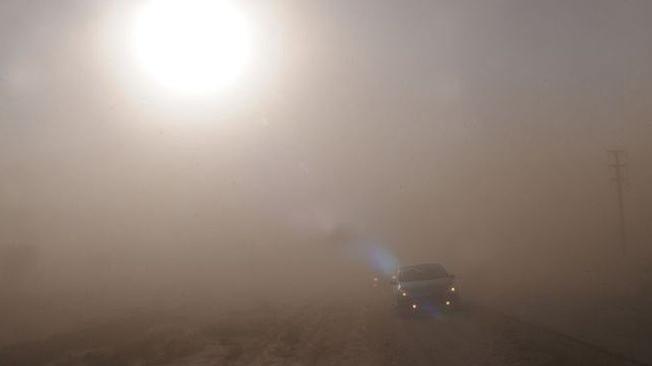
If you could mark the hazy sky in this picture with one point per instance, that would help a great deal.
(338, 55)
(401, 116)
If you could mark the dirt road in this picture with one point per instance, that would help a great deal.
(358, 329)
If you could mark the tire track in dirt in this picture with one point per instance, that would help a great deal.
(327, 334)
(479, 336)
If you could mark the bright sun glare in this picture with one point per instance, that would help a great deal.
(192, 46)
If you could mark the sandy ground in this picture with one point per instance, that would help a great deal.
(609, 308)
(357, 329)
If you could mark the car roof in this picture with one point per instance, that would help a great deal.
(420, 266)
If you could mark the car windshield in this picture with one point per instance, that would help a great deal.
(422, 273)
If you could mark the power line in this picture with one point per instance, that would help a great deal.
(618, 166)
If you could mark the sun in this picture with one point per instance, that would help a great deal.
(192, 46)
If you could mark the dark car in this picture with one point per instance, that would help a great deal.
(382, 280)
(425, 286)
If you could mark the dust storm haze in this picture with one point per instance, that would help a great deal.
(364, 136)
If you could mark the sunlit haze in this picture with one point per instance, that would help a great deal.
(325, 182)
(192, 46)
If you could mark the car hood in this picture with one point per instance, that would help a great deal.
(424, 288)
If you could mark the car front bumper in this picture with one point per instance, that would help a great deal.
(445, 301)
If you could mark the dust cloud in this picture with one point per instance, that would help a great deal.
(375, 134)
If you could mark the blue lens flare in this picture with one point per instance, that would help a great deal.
(376, 257)
(431, 310)
(381, 259)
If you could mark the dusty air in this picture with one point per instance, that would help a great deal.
(282, 182)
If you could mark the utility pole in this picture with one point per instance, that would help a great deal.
(618, 166)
